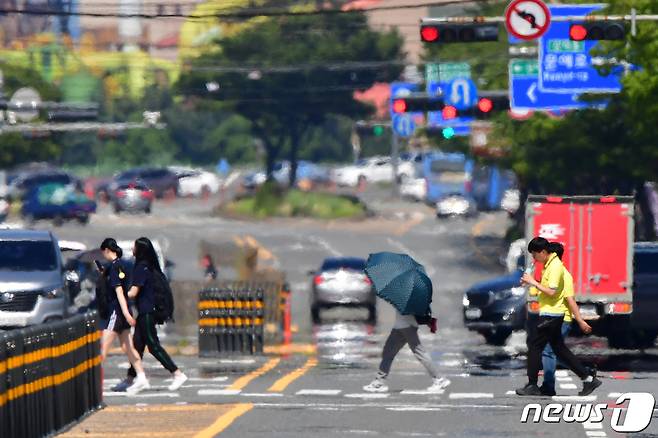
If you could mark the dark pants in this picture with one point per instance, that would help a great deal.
(147, 336)
(549, 331)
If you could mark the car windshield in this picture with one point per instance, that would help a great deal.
(129, 174)
(439, 166)
(646, 263)
(351, 264)
(26, 255)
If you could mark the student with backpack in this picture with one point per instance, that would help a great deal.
(154, 305)
(119, 317)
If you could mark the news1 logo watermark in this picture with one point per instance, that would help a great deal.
(638, 412)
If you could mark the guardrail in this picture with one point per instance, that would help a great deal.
(50, 376)
(239, 317)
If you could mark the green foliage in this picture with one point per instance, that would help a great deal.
(15, 148)
(271, 201)
(282, 105)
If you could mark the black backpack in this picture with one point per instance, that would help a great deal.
(164, 298)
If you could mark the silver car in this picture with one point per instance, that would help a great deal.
(133, 197)
(342, 282)
(32, 287)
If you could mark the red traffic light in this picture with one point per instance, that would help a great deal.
(577, 32)
(485, 105)
(399, 106)
(449, 112)
(429, 34)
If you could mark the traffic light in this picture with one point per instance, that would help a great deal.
(597, 30)
(487, 104)
(458, 32)
(411, 104)
(369, 129)
(448, 132)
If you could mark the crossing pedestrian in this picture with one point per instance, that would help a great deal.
(405, 331)
(146, 335)
(552, 308)
(120, 319)
(549, 361)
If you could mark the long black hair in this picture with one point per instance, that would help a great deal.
(557, 248)
(145, 253)
(111, 244)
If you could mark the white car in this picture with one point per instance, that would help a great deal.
(413, 188)
(371, 170)
(196, 182)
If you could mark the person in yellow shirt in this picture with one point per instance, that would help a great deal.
(552, 308)
(549, 361)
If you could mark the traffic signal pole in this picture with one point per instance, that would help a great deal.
(395, 158)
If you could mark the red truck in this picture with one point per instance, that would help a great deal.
(597, 233)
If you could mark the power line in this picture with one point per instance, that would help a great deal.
(252, 13)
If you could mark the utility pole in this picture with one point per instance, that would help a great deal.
(395, 156)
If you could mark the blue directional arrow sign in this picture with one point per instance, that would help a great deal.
(461, 93)
(526, 94)
(403, 125)
(567, 66)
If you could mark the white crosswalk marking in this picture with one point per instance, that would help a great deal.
(367, 395)
(219, 392)
(463, 395)
(568, 386)
(318, 392)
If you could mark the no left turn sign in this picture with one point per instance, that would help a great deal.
(527, 19)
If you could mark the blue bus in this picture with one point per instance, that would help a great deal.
(447, 174)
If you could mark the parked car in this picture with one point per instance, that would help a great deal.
(33, 287)
(132, 197)
(414, 189)
(57, 202)
(196, 182)
(24, 183)
(372, 170)
(161, 180)
(306, 170)
(339, 282)
(492, 187)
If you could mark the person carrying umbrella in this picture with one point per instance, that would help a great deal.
(401, 281)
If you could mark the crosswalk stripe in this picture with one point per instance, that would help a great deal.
(568, 386)
(420, 392)
(573, 398)
(595, 433)
(260, 394)
(462, 395)
(368, 395)
(219, 391)
(614, 395)
(592, 425)
(318, 392)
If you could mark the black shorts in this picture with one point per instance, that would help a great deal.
(117, 322)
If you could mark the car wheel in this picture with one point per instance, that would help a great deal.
(372, 314)
(497, 336)
(315, 315)
(30, 219)
(147, 210)
(84, 220)
(117, 209)
(205, 191)
(58, 220)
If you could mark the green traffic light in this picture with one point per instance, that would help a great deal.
(378, 130)
(448, 133)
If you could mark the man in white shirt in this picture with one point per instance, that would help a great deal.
(405, 331)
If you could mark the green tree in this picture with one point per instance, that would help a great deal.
(332, 56)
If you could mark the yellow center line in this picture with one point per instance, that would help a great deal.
(244, 380)
(286, 380)
(225, 420)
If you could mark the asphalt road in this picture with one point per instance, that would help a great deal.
(319, 394)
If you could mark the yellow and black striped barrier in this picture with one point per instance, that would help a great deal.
(232, 317)
(50, 376)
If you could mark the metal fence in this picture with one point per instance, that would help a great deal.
(239, 318)
(50, 376)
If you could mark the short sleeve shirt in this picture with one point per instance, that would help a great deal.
(143, 278)
(553, 277)
(117, 277)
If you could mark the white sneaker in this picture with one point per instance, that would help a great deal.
(439, 384)
(178, 382)
(138, 386)
(377, 385)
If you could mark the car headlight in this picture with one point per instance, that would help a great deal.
(465, 301)
(54, 293)
(518, 291)
(72, 276)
